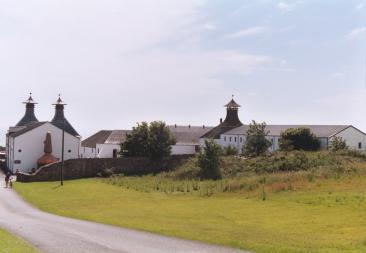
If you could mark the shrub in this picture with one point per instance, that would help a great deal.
(338, 144)
(209, 161)
(298, 139)
(105, 173)
(230, 150)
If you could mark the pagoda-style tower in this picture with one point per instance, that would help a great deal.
(231, 121)
(59, 119)
(29, 116)
(47, 158)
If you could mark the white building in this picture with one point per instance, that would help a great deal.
(232, 132)
(24, 142)
(106, 143)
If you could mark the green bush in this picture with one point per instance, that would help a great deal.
(298, 139)
(208, 161)
(230, 150)
(338, 144)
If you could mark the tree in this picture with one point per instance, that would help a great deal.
(136, 143)
(209, 161)
(160, 140)
(298, 139)
(256, 143)
(337, 144)
(153, 141)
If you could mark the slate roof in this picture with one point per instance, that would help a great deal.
(29, 116)
(189, 135)
(67, 126)
(185, 135)
(321, 131)
(99, 137)
(26, 128)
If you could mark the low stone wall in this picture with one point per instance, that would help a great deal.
(84, 168)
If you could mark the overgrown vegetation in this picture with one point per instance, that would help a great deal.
(281, 171)
(298, 139)
(152, 140)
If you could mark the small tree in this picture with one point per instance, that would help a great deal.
(209, 161)
(256, 143)
(337, 144)
(298, 139)
(153, 141)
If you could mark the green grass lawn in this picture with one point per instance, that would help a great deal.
(13, 244)
(319, 215)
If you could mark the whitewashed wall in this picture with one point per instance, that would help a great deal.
(353, 137)
(106, 150)
(31, 146)
(86, 152)
(183, 149)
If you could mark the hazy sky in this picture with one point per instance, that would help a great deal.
(117, 62)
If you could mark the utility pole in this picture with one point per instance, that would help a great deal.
(62, 153)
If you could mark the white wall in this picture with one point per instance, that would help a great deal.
(106, 150)
(86, 152)
(238, 141)
(31, 146)
(182, 149)
(353, 137)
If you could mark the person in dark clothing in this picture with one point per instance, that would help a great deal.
(7, 179)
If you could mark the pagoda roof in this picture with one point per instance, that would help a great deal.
(232, 104)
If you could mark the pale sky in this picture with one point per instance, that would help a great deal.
(118, 62)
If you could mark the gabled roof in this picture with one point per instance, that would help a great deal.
(321, 131)
(97, 138)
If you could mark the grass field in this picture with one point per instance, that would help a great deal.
(318, 215)
(12, 244)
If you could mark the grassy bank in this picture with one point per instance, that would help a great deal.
(313, 209)
(13, 244)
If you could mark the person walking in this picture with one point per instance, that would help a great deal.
(7, 178)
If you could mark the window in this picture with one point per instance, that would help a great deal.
(224, 138)
(235, 139)
(69, 151)
(19, 150)
(359, 145)
(230, 139)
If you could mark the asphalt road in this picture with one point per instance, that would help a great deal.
(55, 234)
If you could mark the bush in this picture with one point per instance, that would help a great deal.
(209, 161)
(298, 139)
(338, 144)
(105, 173)
(230, 150)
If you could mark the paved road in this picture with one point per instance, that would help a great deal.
(55, 234)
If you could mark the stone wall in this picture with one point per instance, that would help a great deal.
(84, 168)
